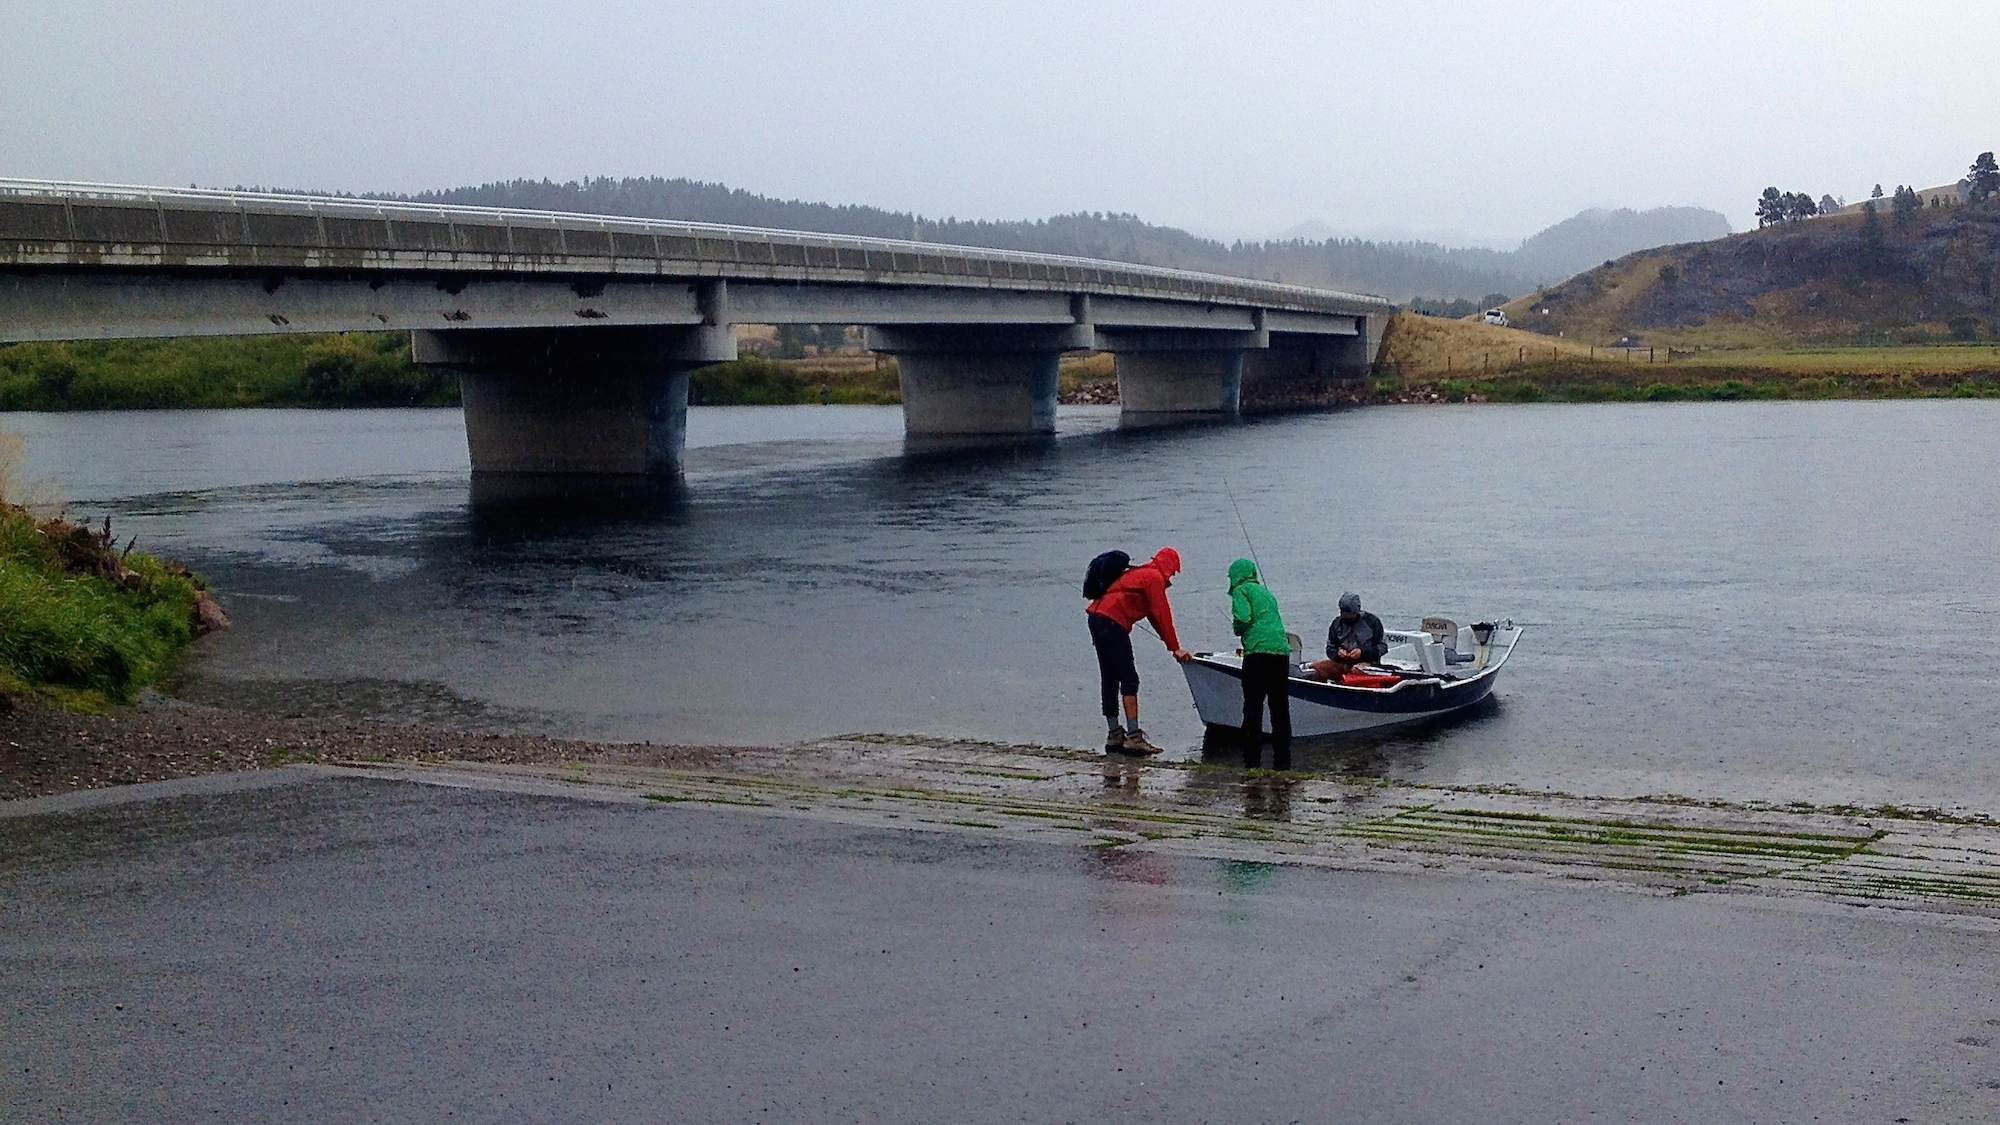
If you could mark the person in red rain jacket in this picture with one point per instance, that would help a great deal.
(1139, 593)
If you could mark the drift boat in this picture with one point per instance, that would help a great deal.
(1437, 669)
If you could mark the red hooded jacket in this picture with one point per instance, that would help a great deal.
(1142, 592)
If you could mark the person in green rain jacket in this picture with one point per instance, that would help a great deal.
(1267, 664)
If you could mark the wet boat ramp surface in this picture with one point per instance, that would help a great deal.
(913, 930)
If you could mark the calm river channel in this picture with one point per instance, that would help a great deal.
(1784, 601)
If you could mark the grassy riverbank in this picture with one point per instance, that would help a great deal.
(356, 369)
(1426, 357)
(1602, 382)
(757, 381)
(83, 623)
(1423, 358)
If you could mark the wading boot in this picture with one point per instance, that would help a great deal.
(1114, 741)
(1135, 743)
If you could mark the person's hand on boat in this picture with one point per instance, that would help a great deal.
(1183, 655)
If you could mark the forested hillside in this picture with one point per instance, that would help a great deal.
(1397, 270)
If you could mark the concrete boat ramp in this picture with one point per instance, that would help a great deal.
(1923, 860)
(922, 930)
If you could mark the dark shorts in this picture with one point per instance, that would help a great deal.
(1116, 673)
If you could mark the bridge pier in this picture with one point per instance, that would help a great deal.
(971, 381)
(1171, 376)
(604, 401)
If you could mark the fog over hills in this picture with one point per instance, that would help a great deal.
(1598, 235)
(1399, 270)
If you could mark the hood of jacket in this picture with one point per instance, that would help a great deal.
(1168, 560)
(1241, 571)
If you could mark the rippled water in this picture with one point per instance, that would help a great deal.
(1776, 600)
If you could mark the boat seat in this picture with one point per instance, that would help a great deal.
(1444, 631)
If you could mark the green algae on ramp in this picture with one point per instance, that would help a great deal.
(1670, 849)
(1670, 846)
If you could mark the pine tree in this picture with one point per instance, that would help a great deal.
(1984, 178)
(1874, 252)
(1771, 207)
(1904, 205)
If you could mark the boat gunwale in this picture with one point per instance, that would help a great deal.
(1409, 680)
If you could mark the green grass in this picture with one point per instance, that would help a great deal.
(356, 369)
(77, 633)
(1889, 360)
(1718, 379)
(756, 381)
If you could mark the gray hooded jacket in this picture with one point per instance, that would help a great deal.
(1364, 633)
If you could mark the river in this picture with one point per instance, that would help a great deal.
(1777, 601)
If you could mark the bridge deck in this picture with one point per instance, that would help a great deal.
(103, 227)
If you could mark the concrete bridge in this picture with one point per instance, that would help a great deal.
(573, 334)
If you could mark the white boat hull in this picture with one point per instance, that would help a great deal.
(1216, 682)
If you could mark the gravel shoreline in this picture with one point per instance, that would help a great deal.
(46, 750)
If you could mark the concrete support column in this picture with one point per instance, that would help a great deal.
(577, 401)
(1179, 375)
(976, 381)
(1309, 370)
(1364, 348)
(1179, 386)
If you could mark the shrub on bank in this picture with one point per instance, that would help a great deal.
(360, 371)
(81, 618)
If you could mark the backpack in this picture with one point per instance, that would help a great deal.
(1104, 570)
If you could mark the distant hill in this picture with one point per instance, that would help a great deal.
(1587, 239)
(1397, 270)
(1826, 280)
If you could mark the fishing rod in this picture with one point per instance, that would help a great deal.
(1243, 527)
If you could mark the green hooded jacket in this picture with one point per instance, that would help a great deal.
(1253, 612)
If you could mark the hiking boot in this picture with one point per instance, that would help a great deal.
(1114, 741)
(1135, 743)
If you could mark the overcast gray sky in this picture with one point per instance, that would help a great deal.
(1485, 120)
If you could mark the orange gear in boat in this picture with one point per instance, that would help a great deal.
(1369, 679)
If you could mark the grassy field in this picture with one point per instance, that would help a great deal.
(1892, 360)
(1426, 356)
(1428, 347)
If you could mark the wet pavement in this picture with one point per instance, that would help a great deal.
(295, 945)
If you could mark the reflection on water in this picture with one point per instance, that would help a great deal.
(1267, 798)
(1776, 600)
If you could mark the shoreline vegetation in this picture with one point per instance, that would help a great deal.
(1431, 359)
(84, 624)
(1424, 359)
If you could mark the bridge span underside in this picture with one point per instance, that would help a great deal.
(573, 335)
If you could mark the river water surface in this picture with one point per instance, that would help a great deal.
(1784, 601)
